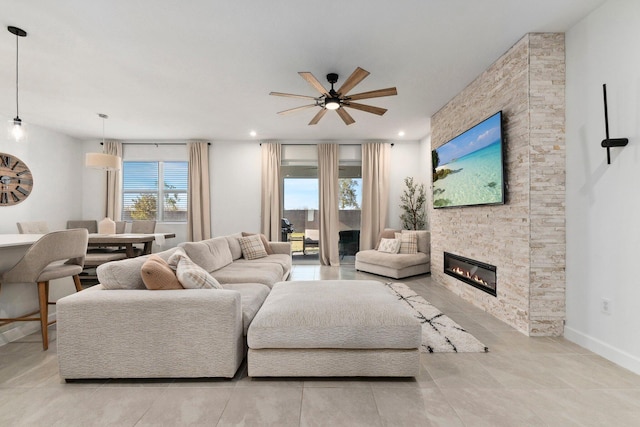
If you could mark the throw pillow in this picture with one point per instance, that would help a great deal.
(408, 243)
(265, 242)
(387, 233)
(176, 257)
(390, 246)
(192, 276)
(252, 247)
(156, 274)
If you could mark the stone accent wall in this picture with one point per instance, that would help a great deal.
(525, 238)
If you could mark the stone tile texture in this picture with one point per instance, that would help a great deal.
(525, 238)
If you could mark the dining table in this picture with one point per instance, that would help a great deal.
(128, 240)
(13, 247)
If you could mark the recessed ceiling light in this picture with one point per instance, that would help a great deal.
(253, 133)
(401, 133)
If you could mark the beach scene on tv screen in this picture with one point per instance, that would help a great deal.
(468, 169)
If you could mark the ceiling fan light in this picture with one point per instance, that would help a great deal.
(332, 104)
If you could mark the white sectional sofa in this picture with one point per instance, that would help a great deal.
(120, 329)
(397, 266)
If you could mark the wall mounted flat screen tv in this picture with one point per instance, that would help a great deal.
(469, 169)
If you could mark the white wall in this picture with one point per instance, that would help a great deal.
(235, 186)
(603, 237)
(406, 161)
(55, 161)
(236, 174)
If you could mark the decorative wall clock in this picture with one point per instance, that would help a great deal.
(16, 181)
(610, 142)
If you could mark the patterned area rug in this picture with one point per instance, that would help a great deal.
(440, 334)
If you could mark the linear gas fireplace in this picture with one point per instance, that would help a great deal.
(475, 273)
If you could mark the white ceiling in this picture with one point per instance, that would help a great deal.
(168, 69)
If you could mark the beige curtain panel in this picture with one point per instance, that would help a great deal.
(375, 192)
(328, 183)
(199, 203)
(114, 187)
(270, 206)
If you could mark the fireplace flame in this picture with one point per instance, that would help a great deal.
(468, 275)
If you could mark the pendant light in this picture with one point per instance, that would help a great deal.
(16, 128)
(103, 161)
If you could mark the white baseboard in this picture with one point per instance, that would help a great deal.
(617, 356)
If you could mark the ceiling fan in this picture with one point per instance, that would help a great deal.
(338, 99)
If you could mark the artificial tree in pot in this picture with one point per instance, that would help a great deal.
(412, 203)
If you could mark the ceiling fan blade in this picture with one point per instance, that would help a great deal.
(356, 77)
(293, 110)
(310, 78)
(290, 95)
(375, 93)
(346, 117)
(368, 108)
(318, 116)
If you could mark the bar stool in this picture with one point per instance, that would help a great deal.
(55, 255)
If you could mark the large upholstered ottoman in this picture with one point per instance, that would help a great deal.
(333, 328)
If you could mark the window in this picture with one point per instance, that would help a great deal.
(141, 191)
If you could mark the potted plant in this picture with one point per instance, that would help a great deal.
(413, 200)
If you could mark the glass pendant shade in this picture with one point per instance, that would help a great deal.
(16, 128)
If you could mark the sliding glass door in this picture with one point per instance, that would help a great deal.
(301, 199)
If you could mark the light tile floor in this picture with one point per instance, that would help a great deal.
(522, 381)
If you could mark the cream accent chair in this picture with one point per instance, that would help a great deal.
(397, 266)
(55, 255)
(33, 227)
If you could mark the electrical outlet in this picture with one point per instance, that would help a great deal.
(606, 306)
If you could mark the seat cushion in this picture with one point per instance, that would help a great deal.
(249, 272)
(284, 261)
(252, 295)
(210, 254)
(234, 245)
(57, 271)
(349, 314)
(395, 261)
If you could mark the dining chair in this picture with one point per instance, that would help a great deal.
(120, 227)
(144, 226)
(55, 255)
(91, 225)
(32, 227)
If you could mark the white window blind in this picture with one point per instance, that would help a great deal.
(155, 190)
